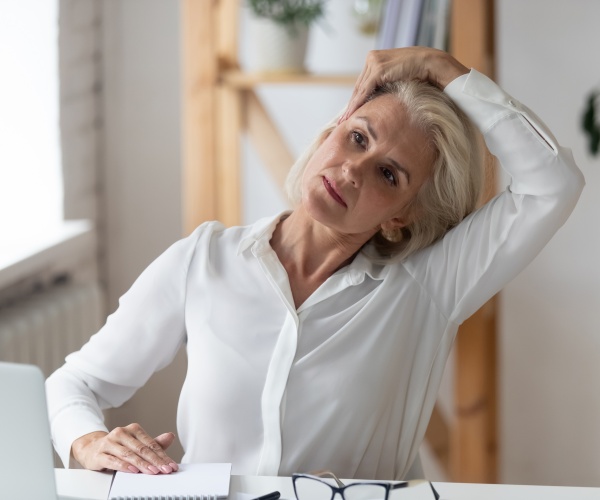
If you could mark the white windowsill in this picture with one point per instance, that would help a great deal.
(61, 248)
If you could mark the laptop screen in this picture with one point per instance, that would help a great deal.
(26, 460)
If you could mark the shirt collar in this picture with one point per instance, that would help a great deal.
(260, 233)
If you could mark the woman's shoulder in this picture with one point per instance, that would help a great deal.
(239, 237)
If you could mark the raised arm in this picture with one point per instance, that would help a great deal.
(494, 244)
(491, 246)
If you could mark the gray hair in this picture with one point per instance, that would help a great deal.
(455, 186)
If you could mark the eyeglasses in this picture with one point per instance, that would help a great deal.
(312, 487)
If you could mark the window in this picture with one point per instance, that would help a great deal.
(30, 157)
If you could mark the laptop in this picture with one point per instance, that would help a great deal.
(26, 459)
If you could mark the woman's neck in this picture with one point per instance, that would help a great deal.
(310, 252)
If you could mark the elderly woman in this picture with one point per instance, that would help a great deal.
(317, 338)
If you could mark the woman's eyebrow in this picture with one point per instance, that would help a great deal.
(368, 125)
(399, 168)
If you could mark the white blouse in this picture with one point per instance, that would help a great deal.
(347, 381)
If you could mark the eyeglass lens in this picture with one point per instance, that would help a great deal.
(364, 492)
(309, 489)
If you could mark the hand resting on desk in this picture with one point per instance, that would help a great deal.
(125, 449)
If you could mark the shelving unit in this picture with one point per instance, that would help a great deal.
(220, 104)
(248, 81)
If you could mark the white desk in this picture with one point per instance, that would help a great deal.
(96, 485)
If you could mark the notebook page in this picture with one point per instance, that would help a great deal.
(190, 480)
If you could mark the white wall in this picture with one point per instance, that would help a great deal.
(142, 169)
(548, 57)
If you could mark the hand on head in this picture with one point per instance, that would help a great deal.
(411, 63)
(126, 449)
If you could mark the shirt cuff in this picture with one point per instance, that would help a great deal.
(484, 102)
(72, 423)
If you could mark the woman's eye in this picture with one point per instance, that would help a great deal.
(388, 175)
(358, 138)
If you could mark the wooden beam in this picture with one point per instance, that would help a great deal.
(229, 172)
(474, 429)
(491, 443)
(472, 34)
(227, 19)
(199, 80)
(438, 438)
(470, 437)
(242, 80)
(267, 140)
(228, 117)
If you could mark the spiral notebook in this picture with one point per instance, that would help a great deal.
(203, 481)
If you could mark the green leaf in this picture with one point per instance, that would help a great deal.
(288, 12)
(590, 124)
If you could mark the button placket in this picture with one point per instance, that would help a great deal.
(272, 396)
(279, 367)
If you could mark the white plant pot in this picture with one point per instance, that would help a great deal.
(274, 50)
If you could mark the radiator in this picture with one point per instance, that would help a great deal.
(44, 327)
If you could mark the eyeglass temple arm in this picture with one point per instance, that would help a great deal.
(325, 473)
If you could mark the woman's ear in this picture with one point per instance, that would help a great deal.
(407, 217)
(395, 223)
(398, 222)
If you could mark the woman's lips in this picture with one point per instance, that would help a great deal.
(331, 189)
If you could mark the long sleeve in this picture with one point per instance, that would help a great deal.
(141, 337)
(495, 243)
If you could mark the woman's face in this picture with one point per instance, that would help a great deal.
(368, 171)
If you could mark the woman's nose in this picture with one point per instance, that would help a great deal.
(353, 171)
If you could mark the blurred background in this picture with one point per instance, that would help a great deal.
(94, 177)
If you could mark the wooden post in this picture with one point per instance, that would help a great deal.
(474, 430)
(472, 34)
(229, 171)
(268, 141)
(200, 73)
(228, 118)
(473, 435)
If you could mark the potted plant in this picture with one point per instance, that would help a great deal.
(280, 32)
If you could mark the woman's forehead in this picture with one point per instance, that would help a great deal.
(385, 109)
(388, 115)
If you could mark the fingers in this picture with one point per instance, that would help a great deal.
(165, 440)
(139, 449)
(376, 71)
(365, 84)
(411, 63)
(126, 449)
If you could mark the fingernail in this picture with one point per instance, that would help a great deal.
(166, 469)
(174, 466)
(153, 469)
(133, 469)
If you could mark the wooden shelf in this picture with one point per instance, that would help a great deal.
(248, 80)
